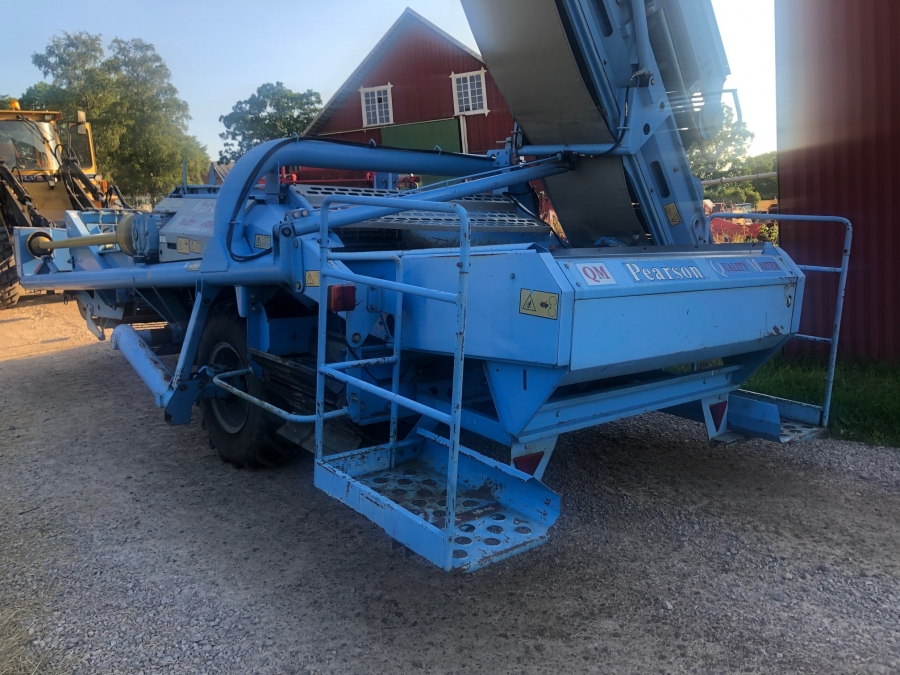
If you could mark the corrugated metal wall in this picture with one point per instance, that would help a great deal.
(838, 80)
(419, 66)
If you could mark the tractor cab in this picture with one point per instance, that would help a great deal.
(29, 142)
(47, 167)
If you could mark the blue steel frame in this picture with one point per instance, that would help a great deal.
(652, 135)
(459, 299)
(842, 284)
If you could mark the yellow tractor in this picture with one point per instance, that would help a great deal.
(47, 167)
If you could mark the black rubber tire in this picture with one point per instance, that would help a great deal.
(9, 278)
(244, 434)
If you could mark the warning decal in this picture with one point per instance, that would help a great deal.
(312, 278)
(672, 214)
(262, 241)
(196, 246)
(538, 303)
(184, 245)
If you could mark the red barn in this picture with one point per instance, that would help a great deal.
(417, 89)
(838, 64)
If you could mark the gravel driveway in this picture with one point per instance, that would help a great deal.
(129, 547)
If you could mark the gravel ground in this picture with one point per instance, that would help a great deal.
(148, 555)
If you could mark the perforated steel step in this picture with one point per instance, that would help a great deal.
(499, 511)
(485, 527)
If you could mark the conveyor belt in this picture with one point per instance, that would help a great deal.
(525, 46)
(487, 213)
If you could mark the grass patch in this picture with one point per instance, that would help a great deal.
(865, 405)
(18, 656)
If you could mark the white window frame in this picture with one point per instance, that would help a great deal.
(454, 77)
(362, 99)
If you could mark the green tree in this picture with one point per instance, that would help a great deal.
(5, 102)
(719, 157)
(153, 141)
(274, 111)
(138, 119)
(40, 96)
(70, 59)
(726, 157)
(764, 163)
(733, 193)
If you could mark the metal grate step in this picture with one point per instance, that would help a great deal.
(485, 527)
(775, 419)
(793, 431)
(499, 511)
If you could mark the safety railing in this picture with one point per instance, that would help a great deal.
(219, 381)
(396, 400)
(842, 284)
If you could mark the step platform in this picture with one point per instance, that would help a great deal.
(500, 511)
(772, 418)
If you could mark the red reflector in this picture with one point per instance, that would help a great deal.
(341, 298)
(718, 413)
(528, 463)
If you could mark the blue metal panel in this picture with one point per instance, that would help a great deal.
(653, 331)
(578, 412)
(519, 391)
(497, 327)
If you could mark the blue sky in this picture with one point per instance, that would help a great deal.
(220, 52)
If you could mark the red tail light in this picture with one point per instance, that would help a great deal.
(341, 298)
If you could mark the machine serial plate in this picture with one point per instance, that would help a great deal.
(538, 303)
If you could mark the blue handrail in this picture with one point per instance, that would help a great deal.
(459, 298)
(842, 284)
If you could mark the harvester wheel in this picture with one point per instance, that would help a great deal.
(243, 433)
(9, 279)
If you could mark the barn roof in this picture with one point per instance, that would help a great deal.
(353, 83)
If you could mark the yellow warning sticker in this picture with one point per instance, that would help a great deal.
(312, 278)
(196, 246)
(538, 303)
(184, 245)
(262, 241)
(672, 214)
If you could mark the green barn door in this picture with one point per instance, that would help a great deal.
(424, 136)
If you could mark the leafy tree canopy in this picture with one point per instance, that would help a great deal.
(274, 111)
(733, 143)
(139, 121)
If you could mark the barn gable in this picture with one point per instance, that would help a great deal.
(415, 61)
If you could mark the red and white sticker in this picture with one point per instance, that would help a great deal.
(596, 273)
